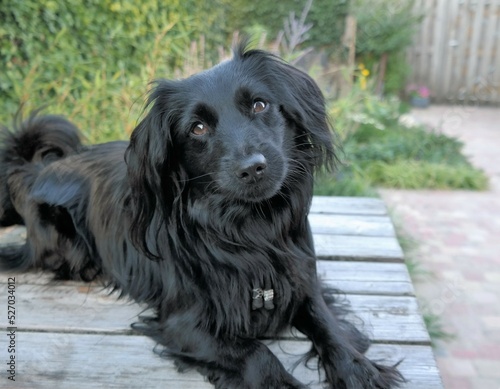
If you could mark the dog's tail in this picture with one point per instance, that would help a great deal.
(24, 150)
(38, 140)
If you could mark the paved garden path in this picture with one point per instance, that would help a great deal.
(459, 243)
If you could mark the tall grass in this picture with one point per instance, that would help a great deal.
(378, 151)
(108, 105)
(105, 107)
(409, 174)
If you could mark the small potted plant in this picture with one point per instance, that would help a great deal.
(419, 96)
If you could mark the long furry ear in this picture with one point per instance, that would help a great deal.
(301, 102)
(151, 168)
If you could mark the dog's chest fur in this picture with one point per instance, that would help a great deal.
(257, 275)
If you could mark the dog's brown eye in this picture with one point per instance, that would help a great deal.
(259, 106)
(199, 129)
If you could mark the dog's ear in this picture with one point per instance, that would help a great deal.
(152, 167)
(301, 103)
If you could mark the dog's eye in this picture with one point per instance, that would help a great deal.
(259, 106)
(199, 129)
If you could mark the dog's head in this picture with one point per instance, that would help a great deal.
(246, 129)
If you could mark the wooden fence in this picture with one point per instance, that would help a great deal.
(456, 51)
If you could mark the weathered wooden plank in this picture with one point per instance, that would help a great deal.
(494, 79)
(418, 364)
(491, 39)
(367, 277)
(383, 278)
(89, 361)
(361, 240)
(40, 278)
(436, 59)
(78, 308)
(320, 204)
(353, 216)
(370, 313)
(360, 225)
(449, 58)
(392, 319)
(378, 244)
(403, 324)
(82, 309)
(348, 205)
(462, 51)
(424, 36)
(12, 235)
(475, 46)
(358, 248)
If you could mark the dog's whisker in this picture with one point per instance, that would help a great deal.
(198, 177)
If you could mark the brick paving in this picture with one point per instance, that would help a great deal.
(458, 235)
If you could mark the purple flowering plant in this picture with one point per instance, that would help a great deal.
(418, 91)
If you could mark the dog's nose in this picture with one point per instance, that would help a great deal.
(252, 168)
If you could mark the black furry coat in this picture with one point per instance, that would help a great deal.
(202, 216)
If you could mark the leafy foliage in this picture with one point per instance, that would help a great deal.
(92, 60)
(326, 16)
(436, 328)
(72, 51)
(384, 26)
(399, 143)
(416, 175)
(385, 29)
(381, 152)
(348, 181)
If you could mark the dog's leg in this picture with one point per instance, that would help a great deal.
(339, 345)
(345, 366)
(228, 363)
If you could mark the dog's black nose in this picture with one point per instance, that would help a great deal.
(252, 168)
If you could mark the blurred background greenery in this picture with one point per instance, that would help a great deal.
(93, 60)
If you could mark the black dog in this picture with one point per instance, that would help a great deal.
(203, 216)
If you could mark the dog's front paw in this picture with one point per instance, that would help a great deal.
(278, 380)
(381, 376)
(233, 381)
(361, 373)
(292, 383)
(283, 384)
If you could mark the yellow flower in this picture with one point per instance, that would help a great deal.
(365, 72)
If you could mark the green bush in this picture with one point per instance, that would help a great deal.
(378, 151)
(92, 60)
(326, 16)
(404, 174)
(349, 180)
(398, 143)
(384, 26)
(385, 29)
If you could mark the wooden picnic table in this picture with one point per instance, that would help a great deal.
(75, 335)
